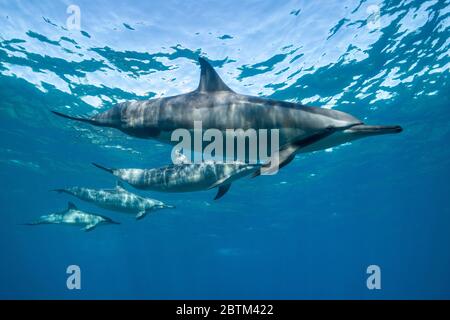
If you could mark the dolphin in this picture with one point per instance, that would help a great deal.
(185, 177)
(117, 199)
(301, 128)
(75, 217)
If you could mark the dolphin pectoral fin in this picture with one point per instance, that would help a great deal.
(278, 161)
(219, 182)
(256, 173)
(287, 153)
(222, 190)
(89, 227)
(141, 214)
(223, 185)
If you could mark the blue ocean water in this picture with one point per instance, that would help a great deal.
(310, 231)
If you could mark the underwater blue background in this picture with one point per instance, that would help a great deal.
(308, 232)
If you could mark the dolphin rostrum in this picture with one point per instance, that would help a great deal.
(216, 106)
(117, 199)
(185, 177)
(75, 217)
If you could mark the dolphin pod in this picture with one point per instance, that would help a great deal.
(301, 129)
(117, 199)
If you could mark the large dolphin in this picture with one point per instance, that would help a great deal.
(117, 199)
(185, 177)
(301, 128)
(74, 217)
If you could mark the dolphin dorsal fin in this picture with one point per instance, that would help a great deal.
(71, 206)
(209, 79)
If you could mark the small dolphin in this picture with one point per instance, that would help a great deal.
(75, 217)
(117, 199)
(301, 128)
(185, 177)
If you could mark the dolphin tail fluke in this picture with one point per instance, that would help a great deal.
(89, 227)
(102, 167)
